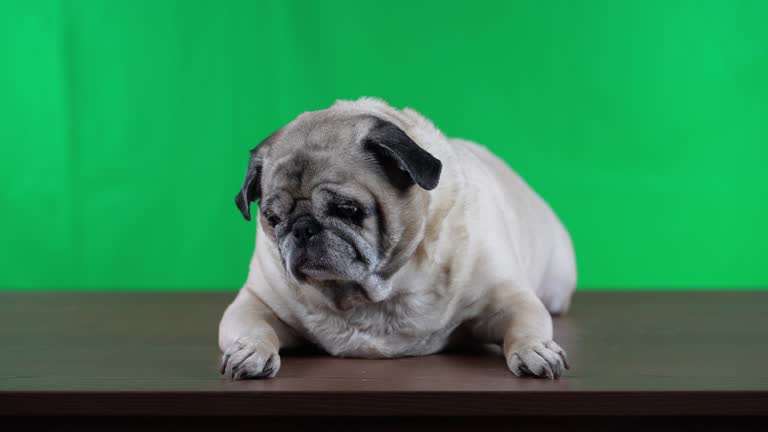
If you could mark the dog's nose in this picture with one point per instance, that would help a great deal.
(305, 228)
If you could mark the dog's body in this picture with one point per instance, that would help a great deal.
(483, 252)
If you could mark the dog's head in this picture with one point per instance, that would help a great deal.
(343, 199)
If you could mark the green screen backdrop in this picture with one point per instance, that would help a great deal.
(125, 125)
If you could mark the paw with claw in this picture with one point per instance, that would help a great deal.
(250, 358)
(538, 359)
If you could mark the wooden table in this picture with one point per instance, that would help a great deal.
(632, 353)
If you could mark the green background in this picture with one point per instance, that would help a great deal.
(125, 125)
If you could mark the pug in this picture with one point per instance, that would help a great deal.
(378, 237)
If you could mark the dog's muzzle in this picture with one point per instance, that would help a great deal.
(320, 256)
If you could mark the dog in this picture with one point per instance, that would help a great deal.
(378, 237)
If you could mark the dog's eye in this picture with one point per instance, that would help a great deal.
(273, 220)
(347, 211)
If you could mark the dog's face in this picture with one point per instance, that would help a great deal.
(343, 199)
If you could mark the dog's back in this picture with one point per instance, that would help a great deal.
(533, 231)
(520, 234)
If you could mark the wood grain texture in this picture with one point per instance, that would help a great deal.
(633, 353)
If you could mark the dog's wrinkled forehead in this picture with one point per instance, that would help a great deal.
(318, 131)
(315, 148)
(327, 130)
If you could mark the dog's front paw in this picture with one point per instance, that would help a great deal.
(250, 358)
(539, 359)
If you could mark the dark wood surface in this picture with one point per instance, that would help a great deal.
(632, 353)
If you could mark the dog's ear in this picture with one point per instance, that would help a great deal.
(403, 161)
(251, 190)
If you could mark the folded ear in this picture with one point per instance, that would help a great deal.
(251, 190)
(404, 162)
